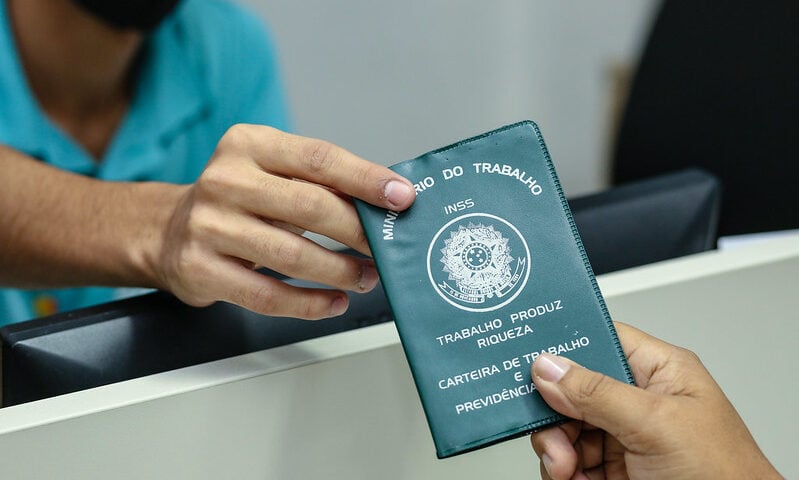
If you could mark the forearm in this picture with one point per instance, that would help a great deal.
(61, 229)
(201, 241)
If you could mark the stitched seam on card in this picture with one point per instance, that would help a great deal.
(584, 256)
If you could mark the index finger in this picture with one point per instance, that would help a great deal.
(646, 354)
(327, 164)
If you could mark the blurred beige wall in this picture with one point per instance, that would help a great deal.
(392, 80)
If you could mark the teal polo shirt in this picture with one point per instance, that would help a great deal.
(209, 65)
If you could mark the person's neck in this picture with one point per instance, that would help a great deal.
(79, 69)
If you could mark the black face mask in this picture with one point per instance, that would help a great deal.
(142, 15)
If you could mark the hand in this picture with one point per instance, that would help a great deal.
(677, 424)
(260, 191)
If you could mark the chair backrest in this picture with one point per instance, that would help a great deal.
(650, 220)
(716, 88)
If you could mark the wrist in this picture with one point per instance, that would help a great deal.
(157, 202)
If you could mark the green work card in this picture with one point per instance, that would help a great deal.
(483, 273)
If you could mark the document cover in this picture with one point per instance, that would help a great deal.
(483, 273)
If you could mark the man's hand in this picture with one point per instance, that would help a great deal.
(676, 424)
(260, 191)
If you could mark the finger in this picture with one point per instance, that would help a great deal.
(582, 394)
(597, 473)
(570, 429)
(645, 353)
(306, 206)
(543, 470)
(556, 451)
(590, 448)
(234, 283)
(288, 227)
(263, 244)
(615, 464)
(276, 298)
(327, 164)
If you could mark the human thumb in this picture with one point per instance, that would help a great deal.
(586, 395)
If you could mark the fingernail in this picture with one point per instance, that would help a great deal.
(339, 306)
(547, 461)
(368, 279)
(398, 194)
(550, 368)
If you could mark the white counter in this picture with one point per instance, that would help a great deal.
(344, 406)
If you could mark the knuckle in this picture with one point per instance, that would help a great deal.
(307, 309)
(270, 186)
(359, 238)
(687, 360)
(592, 387)
(200, 225)
(217, 180)
(307, 204)
(366, 176)
(236, 136)
(539, 441)
(267, 299)
(321, 156)
(690, 370)
(186, 261)
(288, 253)
(195, 297)
(187, 277)
(263, 299)
(688, 356)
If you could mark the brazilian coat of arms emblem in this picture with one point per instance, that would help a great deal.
(482, 262)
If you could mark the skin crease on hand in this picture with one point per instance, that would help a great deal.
(260, 190)
(676, 424)
(258, 182)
